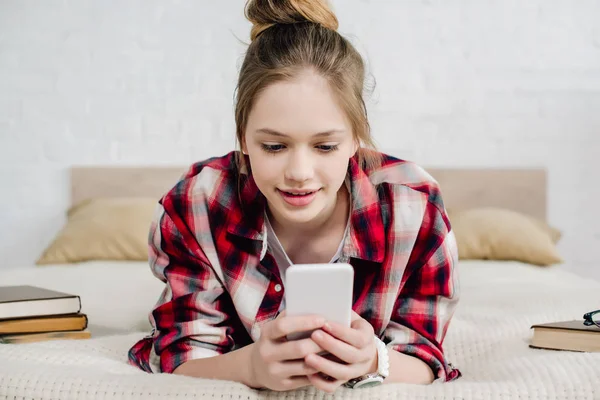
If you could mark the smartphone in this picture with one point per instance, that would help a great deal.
(319, 289)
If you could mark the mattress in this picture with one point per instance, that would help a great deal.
(487, 340)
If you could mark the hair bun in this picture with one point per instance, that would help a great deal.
(265, 13)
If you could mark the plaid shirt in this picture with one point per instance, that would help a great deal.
(208, 244)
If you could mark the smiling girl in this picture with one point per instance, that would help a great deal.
(306, 187)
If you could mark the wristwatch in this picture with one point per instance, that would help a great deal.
(376, 378)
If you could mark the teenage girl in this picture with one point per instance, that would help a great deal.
(306, 187)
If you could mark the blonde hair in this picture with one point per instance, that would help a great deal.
(289, 36)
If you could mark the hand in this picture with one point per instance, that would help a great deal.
(354, 347)
(278, 364)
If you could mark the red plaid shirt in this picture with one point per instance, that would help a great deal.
(208, 244)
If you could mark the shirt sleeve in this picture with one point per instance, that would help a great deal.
(428, 296)
(191, 319)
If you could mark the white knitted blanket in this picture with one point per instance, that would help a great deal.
(487, 341)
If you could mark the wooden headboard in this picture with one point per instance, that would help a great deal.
(522, 190)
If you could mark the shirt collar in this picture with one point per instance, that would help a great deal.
(252, 204)
(366, 237)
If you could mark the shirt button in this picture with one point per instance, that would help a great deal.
(277, 288)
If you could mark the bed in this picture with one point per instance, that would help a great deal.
(487, 340)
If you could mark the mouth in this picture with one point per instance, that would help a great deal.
(299, 194)
(298, 198)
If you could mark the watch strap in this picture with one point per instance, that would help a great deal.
(383, 369)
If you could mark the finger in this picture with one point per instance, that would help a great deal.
(281, 327)
(335, 370)
(296, 368)
(296, 349)
(326, 384)
(336, 347)
(359, 338)
(360, 324)
(331, 357)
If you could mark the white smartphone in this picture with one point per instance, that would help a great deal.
(320, 289)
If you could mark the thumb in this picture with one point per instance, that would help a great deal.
(355, 320)
(358, 322)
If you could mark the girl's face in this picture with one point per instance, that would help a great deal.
(299, 142)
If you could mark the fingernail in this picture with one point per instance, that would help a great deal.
(327, 327)
(318, 335)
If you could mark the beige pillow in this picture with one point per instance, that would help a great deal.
(501, 234)
(103, 229)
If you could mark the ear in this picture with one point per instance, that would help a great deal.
(243, 145)
(355, 147)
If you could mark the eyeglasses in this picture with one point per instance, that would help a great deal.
(592, 318)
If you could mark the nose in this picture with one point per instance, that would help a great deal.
(299, 167)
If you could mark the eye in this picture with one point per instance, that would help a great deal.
(327, 148)
(272, 148)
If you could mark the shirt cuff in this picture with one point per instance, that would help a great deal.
(171, 359)
(442, 371)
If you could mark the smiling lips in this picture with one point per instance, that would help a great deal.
(298, 198)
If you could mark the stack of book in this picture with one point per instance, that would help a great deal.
(34, 314)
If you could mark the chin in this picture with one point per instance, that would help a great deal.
(299, 215)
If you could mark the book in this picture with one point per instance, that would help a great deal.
(33, 301)
(41, 337)
(72, 322)
(566, 335)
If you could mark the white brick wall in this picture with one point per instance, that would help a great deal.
(459, 83)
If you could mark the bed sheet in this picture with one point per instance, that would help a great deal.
(487, 340)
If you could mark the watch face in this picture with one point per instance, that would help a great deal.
(368, 384)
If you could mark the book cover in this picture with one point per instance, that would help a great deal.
(576, 325)
(72, 322)
(31, 301)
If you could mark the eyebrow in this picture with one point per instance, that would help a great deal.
(320, 134)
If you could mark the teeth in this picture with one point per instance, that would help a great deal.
(299, 194)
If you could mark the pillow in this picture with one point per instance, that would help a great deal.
(501, 234)
(103, 229)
